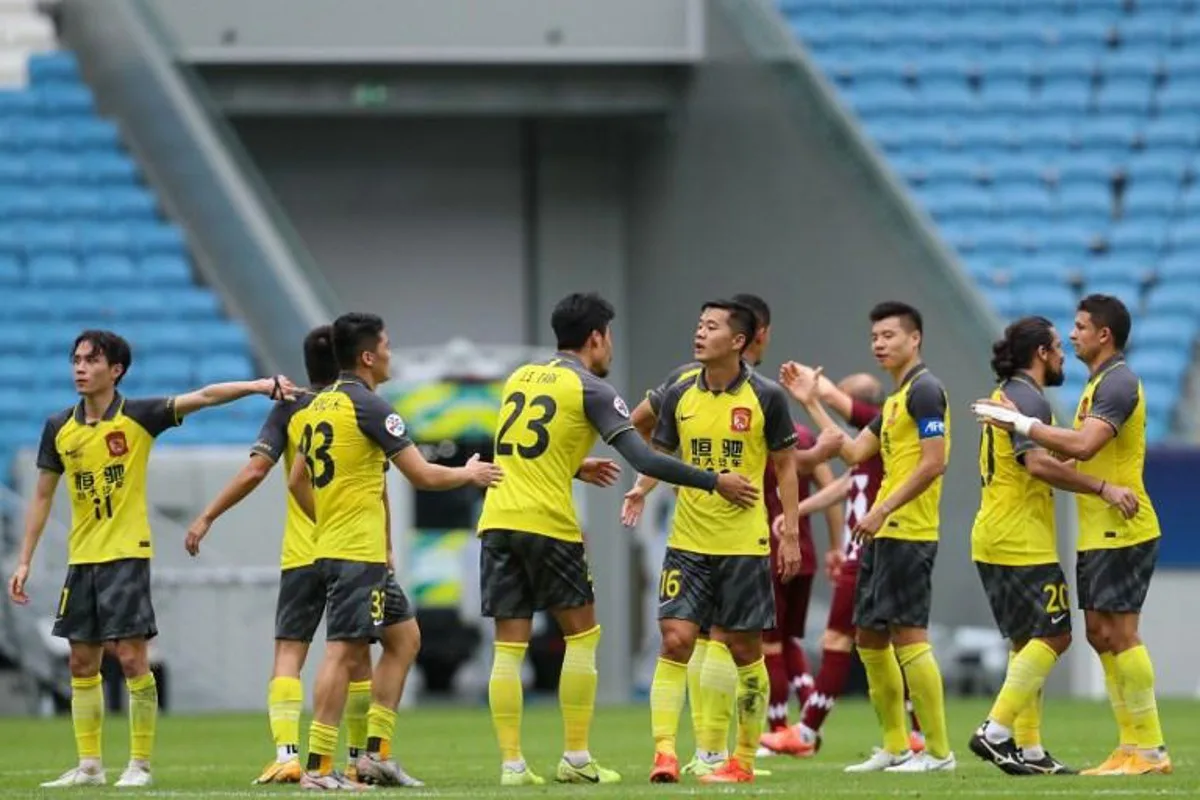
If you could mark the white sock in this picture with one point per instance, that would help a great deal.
(515, 766)
(1034, 753)
(285, 753)
(577, 758)
(712, 756)
(807, 734)
(995, 733)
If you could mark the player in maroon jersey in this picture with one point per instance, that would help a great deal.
(857, 399)
(783, 645)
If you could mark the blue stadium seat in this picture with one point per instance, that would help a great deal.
(1067, 241)
(1148, 31)
(129, 203)
(75, 202)
(1185, 238)
(67, 100)
(1007, 97)
(1166, 332)
(93, 134)
(14, 169)
(1177, 99)
(18, 103)
(1137, 239)
(1124, 96)
(15, 337)
(53, 270)
(168, 369)
(1154, 364)
(191, 303)
(1150, 199)
(112, 169)
(157, 239)
(1175, 136)
(1180, 269)
(1023, 203)
(224, 368)
(104, 238)
(28, 306)
(1085, 204)
(11, 273)
(1127, 291)
(1157, 166)
(1047, 300)
(1063, 94)
(47, 239)
(109, 270)
(1040, 270)
(14, 370)
(1117, 270)
(56, 67)
(996, 242)
(1002, 299)
(165, 270)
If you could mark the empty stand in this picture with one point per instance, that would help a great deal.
(1053, 142)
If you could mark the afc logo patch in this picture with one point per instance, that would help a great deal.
(1084, 407)
(739, 420)
(117, 445)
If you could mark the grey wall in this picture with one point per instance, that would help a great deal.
(420, 221)
(742, 193)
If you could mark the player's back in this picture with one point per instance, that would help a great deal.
(551, 414)
(340, 435)
(1121, 461)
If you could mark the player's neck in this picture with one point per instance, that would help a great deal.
(94, 405)
(1037, 374)
(718, 375)
(899, 372)
(366, 377)
(1102, 358)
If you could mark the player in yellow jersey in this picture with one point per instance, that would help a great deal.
(533, 556)
(348, 436)
(1014, 546)
(103, 445)
(1116, 554)
(301, 591)
(894, 591)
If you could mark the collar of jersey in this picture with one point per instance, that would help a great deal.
(1028, 380)
(743, 374)
(911, 375)
(349, 377)
(562, 355)
(1114, 360)
(109, 413)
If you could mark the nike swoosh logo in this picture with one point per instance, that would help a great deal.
(1058, 619)
(588, 778)
(685, 419)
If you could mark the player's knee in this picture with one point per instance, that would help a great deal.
(837, 641)
(133, 658)
(677, 645)
(84, 663)
(1098, 636)
(744, 649)
(404, 640)
(1059, 643)
(871, 639)
(289, 658)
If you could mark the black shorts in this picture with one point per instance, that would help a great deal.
(1028, 602)
(895, 584)
(301, 603)
(730, 592)
(104, 602)
(355, 598)
(520, 573)
(396, 608)
(1116, 580)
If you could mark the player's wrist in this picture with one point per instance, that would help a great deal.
(1023, 424)
(1101, 487)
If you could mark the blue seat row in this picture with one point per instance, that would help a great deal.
(80, 203)
(100, 270)
(51, 100)
(42, 167)
(88, 305)
(92, 238)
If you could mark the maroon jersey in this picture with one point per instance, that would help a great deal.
(808, 551)
(865, 480)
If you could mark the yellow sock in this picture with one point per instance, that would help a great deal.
(753, 683)
(1116, 697)
(666, 702)
(381, 727)
(1137, 683)
(143, 714)
(885, 685)
(1026, 675)
(695, 666)
(358, 700)
(1027, 729)
(506, 699)
(322, 741)
(927, 692)
(87, 715)
(718, 687)
(285, 699)
(577, 688)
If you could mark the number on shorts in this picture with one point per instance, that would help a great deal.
(319, 454)
(668, 584)
(1056, 598)
(378, 598)
(62, 602)
(536, 426)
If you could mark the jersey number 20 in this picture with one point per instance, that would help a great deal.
(320, 464)
(536, 425)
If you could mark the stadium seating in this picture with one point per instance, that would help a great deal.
(83, 243)
(1052, 142)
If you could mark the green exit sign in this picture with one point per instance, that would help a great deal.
(367, 95)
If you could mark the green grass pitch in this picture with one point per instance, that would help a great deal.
(452, 749)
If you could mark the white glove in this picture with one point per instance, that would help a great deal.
(1021, 423)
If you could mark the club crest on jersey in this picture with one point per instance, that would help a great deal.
(117, 445)
(739, 420)
(394, 425)
(1084, 405)
(620, 407)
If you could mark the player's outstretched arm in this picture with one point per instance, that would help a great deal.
(35, 522)
(238, 489)
(218, 394)
(835, 515)
(802, 384)
(1063, 475)
(833, 494)
(300, 485)
(436, 478)
(644, 419)
(733, 487)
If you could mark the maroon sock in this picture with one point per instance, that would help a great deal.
(798, 670)
(777, 706)
(831, 682)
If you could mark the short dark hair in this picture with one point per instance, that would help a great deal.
(1109, 312)
(354, 334)
(319, 360)
(1020, 344)
(577, 316)
(114, 347)
(762, 311)
(909, 316)
(741, 318)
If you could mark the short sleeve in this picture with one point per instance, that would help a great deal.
(1031, 403)
(379, 422)
(862, 414)
(272, 437)
(604, 408)
(875, 426)
(926, 404)
(1115, 397)
(48, 457)
(666, 432)
(778, 427)
(155, 414)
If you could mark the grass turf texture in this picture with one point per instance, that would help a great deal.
(452, 749)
